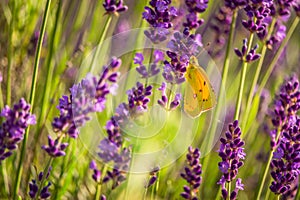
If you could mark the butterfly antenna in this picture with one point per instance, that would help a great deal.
(205, 48)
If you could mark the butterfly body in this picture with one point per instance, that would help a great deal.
(199, 94)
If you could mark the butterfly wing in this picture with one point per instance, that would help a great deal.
(208, 94)
(199, 94)
(192, 106)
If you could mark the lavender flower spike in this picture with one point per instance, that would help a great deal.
(165, 101)
(159, 16)
(192, 174)
(86, 97)
(12, 130)
(285, 164)
(114, 6)
(153, 69)
(232, 153)
(247, 57)
(34, 186)
(194, 8)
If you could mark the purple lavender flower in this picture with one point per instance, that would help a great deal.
(118, 174)
(153, 69)
(159, 15)
(285, 166)
(182, 47)
(111, 147)
(297, 7)
(232, 153)
(138, 100)
(34, 187)
(86, 97)
(257, 12)
(282, 7)
(285, 138)
(165, 102)
(194, 8)
(247, 57)
(96, 173)
(12, 130)
(278, 35)
(192, 174)
(174, 70)
(153, 177)
(221, 27)
(286, 106)
(55, 148)
(114, 6)
(233, 4)
(185, 45)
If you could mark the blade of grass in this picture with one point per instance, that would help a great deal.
(31, 98)
(10, 53)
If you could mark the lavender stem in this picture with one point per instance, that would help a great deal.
(223, 83)
(10, 54)
(101, 39)
(31, 98)
(262, 183)
(242, 81)
(257, 73)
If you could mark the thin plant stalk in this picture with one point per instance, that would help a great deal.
(268, 192)
(4, 175)
(99, 185)
(98, 192)
(10, 54)
(101, 39)
(229, 189)
(256, 76)
(223, 83)
(242, 81)
(139, 38)
(262, 182)
(1, 98)
(137, 141)
(31, 98)
(47, 86)
(50, 67)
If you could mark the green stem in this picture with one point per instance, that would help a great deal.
(98, 192)
(221, 92)
(242, 81)
(157, 184)
(229, 189)
(145, 193)
(298, 191)
(268, 193)
(150, 61)
(10, 54)
(256, 76)
(32, 95)
(4, 175)
(50, 67)
(218, 196)
(278, 53)
(101, 39)
(99, 186)
(262, 183)
(1, 98)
